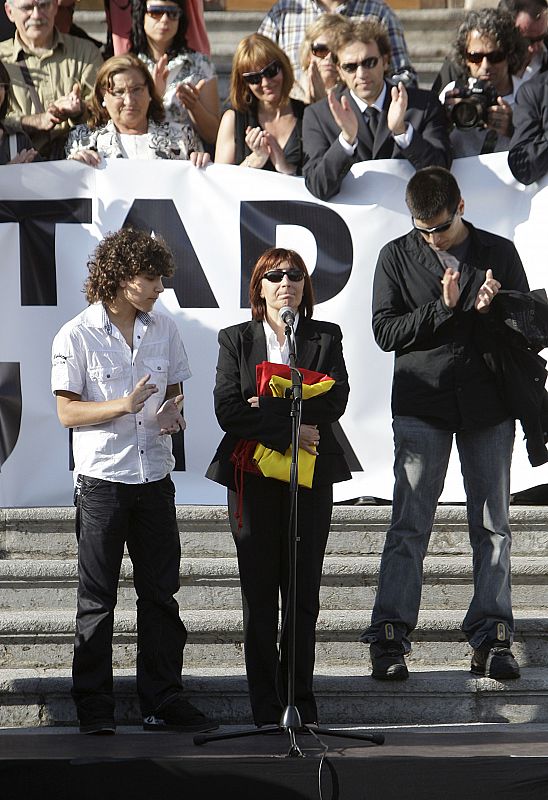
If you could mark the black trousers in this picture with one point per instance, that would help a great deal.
(263, 558)
(143, 515)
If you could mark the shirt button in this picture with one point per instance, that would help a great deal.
(146, 480)
(158, 368)
(140, 423)
(108, 376)
(142, 451)
(138, 336)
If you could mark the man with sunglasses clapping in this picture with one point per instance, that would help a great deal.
(368, 117)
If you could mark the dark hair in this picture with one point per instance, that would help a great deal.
(271, 259)
(253, 53)
(534, 8)
(104, 80)
(364, 31)
(139, 41)
(430, 191)
(121, 256)
(498, 25)
(6, 80)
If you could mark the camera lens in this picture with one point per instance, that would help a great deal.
(467, 113)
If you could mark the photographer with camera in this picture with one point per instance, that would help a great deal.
(491, 51)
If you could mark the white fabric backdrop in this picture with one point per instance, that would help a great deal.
(209, 204)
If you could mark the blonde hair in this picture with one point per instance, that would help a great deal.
(328, 24)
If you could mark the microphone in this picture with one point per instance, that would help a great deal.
(287, 315)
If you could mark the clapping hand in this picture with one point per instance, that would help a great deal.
(169, 417)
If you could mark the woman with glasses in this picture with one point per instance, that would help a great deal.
(262, 130)
(259, 512)
(320, 73)
(185, 78)
(127, 120)
(490, 51)
(15, 146)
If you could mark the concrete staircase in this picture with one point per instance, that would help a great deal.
(428, 32)
(37, 604)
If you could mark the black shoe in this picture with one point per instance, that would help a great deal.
(96, 714)
(388, 663)
(495, 661)
(177, 714)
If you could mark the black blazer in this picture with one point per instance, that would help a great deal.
(241, 348)
(528, 156)
(326, 163)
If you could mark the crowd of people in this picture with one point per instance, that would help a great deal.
(314, 91)
(311, 94)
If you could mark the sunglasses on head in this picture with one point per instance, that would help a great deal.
(270, 71)
(157, 12)
(366, 63)
(436, 228)
(319, 50)
(277, 275)
(493, 57)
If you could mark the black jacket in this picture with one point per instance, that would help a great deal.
(241, 348)
(326, 163)
(528, 156)
(439, 374)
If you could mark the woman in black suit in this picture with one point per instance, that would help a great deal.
(279, 279)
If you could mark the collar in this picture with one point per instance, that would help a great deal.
(98, 317)
(20, 49)
(378, 104)
(268, 331)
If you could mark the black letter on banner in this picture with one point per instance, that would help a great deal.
(258, 223)
(11, 404)
(189, 282)
(37, 220)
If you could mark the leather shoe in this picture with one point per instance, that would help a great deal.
(495, 661)
(388, 663)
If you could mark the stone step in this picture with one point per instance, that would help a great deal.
(430, 697)
(349, 582)
(355, 530)
(45, 640)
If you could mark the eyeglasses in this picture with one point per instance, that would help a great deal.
(366, 63)
(436, 228)
(270, 71)
(319, 50)
(277, 275)
(41, 5)
(132, 91)
(493, 57)
(157, 12)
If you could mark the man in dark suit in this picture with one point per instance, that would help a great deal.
(369, 118)
(528, 156)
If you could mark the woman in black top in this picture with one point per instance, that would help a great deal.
(263, 128)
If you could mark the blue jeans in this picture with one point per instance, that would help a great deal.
(420, 465)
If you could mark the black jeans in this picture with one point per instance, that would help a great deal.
(143, 515)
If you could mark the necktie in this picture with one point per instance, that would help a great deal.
(372, 118)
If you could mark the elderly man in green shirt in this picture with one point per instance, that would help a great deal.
(52, 74)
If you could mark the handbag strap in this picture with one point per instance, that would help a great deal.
(27, 77)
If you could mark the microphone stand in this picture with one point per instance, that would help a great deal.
(290, 721)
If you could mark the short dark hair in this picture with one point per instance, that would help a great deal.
(532, 7)
(430, 191)
(497, 24)
(364, 31)
(122, 255)
(271, 259)
(139, 41)
(6, 80)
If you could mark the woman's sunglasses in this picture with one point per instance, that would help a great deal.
(494, 57)
(157, 12)
(319, 50)
(277, 275)
(270, 71)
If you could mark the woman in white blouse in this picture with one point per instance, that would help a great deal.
(127, 120)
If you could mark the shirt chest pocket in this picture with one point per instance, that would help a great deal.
(107, 383)
(157, 368)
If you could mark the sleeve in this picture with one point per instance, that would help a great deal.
(68, 363)
(234, 414)
(179, 369)
(330, 406)
(430, 144)
(80, 138)
(395, 326)
(325, 161)
(528, 156)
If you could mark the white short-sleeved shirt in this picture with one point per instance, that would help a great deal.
(91, 358)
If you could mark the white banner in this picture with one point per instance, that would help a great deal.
(217, 221)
